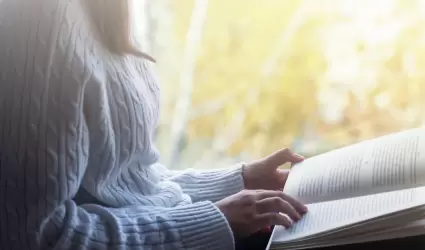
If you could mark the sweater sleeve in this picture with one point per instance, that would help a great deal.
(194, 226)
(211, 185)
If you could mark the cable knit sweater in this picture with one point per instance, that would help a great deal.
(78, 167)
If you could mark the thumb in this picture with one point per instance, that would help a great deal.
(281, 157)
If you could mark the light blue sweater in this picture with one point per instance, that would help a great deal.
(78, 168)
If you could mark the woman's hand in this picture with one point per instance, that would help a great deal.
(252, 210)
(264, 174)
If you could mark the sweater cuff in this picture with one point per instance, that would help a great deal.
(211, 185)
(203, 226)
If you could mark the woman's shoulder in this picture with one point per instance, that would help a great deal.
(52, 32)
(41, 20)
(46, 44)
(40, 13)
(36, 23)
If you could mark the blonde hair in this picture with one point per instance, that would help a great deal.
(112, 18)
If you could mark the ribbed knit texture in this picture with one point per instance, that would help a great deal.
(78, 168)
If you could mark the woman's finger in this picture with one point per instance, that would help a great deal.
(282, 177)
(299, 207)
(264, 194)
(270, 219)
(281, 157)
(277, 205)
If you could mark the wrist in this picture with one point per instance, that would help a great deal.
(243, 172)
(246, 175)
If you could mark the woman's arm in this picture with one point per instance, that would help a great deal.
(44, 154)
(210, 185)
(194, 226)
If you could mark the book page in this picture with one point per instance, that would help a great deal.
(384, 164)
(372, 230)
(416, 229)
(335, 215)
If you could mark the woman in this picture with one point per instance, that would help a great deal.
(79, 104)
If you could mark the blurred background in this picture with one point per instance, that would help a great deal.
(243, 78)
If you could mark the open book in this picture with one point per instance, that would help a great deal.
(373, 190)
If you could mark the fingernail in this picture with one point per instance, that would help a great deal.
(305, 209)
(298, 155)
(266, 230)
